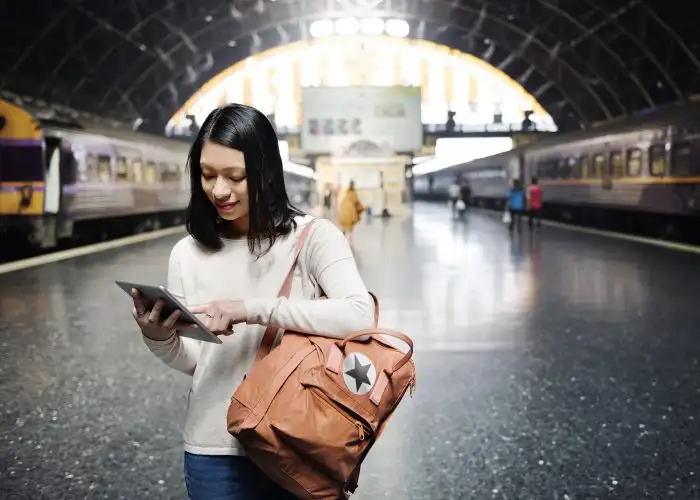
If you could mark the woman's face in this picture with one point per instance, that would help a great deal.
(224, 182)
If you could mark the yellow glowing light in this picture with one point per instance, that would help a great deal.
(450, 79)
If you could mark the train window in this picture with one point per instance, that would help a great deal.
(122, 169)
(574, 168)
(634, 162)
(151, 174)
(553, 169)
(585, 167)
(599, 166)
(617, 166)
(563, 169)
(175, 172)
(680, 160)
(163, 170)
(91, 170)
(550, 169)
(104, 169)
(137, 170)
(542, 170)
(169, 172)
(657, 160)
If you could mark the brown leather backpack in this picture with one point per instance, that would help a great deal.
(309, 410)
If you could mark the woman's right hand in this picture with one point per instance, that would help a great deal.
(150, 322)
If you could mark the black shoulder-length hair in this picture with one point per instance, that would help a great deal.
(246, 129)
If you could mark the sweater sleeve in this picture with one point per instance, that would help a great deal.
(348, 307)
(179, 353)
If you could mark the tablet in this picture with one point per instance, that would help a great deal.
(152, 293)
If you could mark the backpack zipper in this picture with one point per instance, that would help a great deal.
(361, 428)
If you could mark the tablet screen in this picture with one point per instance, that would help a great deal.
(151, 294)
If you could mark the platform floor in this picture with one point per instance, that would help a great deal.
(557, 365)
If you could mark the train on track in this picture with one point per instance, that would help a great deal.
(60, 183)
(641, 175)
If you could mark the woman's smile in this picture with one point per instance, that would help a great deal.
(226, 207)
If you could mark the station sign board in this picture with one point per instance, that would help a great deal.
(340, 120)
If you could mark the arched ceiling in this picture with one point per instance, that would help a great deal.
(586, 61)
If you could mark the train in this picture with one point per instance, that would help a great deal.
(66, 184)
(639, 175)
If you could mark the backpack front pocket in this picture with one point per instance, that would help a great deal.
(326, 433)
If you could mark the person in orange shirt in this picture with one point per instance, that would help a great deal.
(350, 210)
(534, 203)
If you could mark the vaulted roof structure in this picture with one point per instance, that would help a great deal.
(586, 61)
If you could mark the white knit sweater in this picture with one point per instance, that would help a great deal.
(198, 277)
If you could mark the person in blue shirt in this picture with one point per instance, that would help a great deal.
(516, 204)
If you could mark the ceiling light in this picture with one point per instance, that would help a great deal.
(372, 26)
(347, 26)
(397, 27)
(321, 28)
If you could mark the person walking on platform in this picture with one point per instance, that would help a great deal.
(350, 210)
(516, 205)
(242, 236)
(463, 199)
(534, 203)
(454, 192)
(328, 201)
(465, 193)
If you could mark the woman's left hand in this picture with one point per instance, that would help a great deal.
(223, 314)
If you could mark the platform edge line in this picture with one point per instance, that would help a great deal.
(72, 253)
(669, 245)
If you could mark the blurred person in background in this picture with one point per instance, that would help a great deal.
(516, 205)
(454, 192)
(350, 210)
(534, 203)
(327, 202)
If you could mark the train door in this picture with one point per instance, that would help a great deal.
(52, 186)
(601, 167)
(69, 177)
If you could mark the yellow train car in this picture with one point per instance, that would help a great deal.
(63, 182)
(22, 177)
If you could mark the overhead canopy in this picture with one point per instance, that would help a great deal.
(585, 61)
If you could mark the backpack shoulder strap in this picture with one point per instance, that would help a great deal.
(271, 331)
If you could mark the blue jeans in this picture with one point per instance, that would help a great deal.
(210, 477)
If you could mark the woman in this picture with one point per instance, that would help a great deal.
(242, 230)
(350, 210)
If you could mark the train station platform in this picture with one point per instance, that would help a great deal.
(551, 365)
